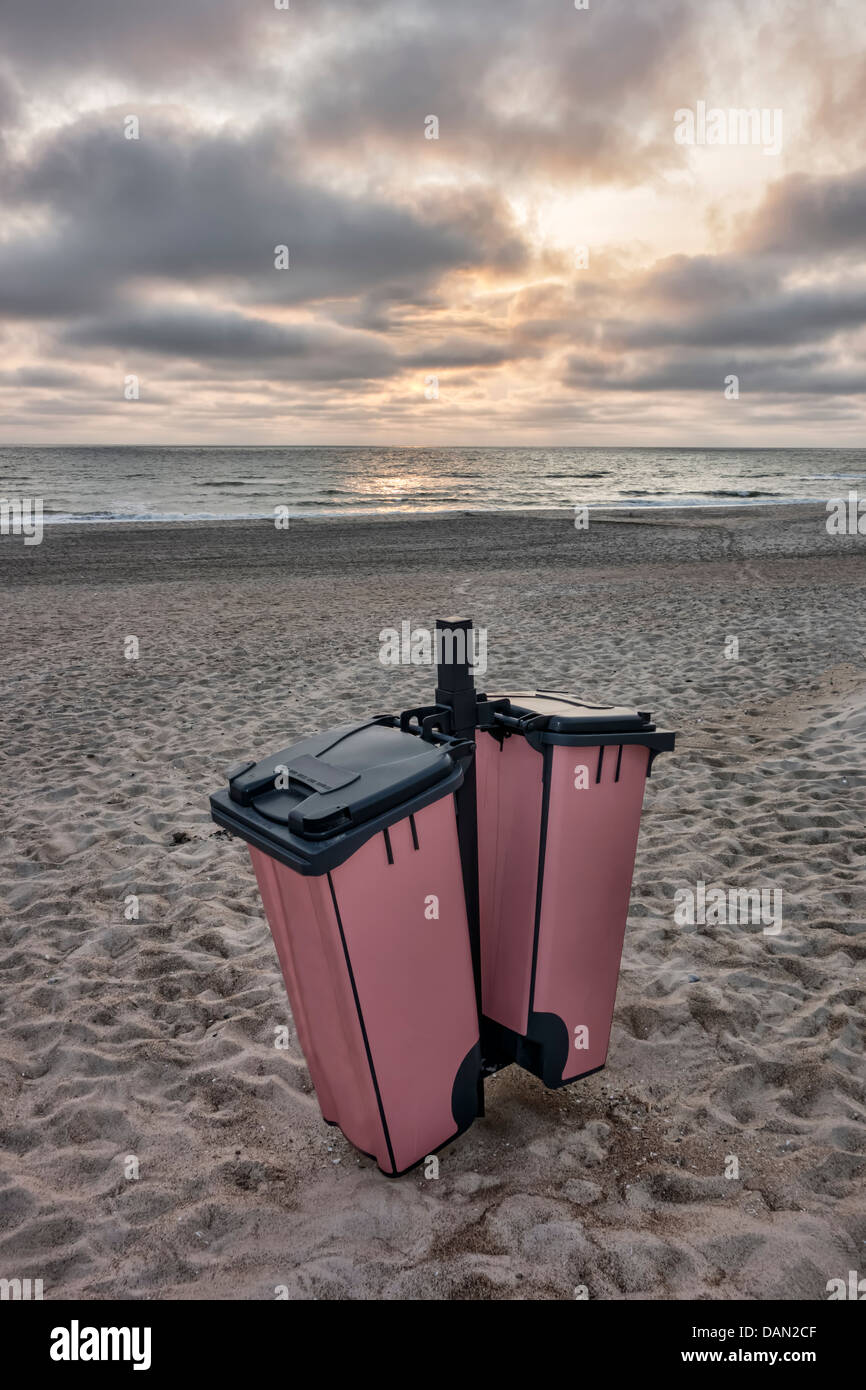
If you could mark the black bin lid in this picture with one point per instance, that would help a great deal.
(311, 805)
(565, 714)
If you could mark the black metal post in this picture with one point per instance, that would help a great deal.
(455, 687)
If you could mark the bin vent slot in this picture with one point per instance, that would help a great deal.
(618, 763)
(388, 849)
(600, 761)
(414, 829)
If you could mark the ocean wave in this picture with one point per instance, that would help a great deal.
(740, 492)
(115, 518)
(311, 511)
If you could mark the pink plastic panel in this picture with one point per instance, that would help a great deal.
(509, 782)
(406, 932)
(592, 836)
(303, 924)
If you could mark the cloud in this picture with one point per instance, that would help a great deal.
(192, 208)
(126, 36)
(777, 320)
(10, 101)
(681, 282)
(530, 88)
(801, 374)
(812, 216)
(310, 352)
(43, 377)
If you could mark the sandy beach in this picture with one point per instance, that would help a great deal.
(153, 1039)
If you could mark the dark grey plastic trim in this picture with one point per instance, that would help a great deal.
(316, 857)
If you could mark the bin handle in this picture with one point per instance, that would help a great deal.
(316, 775)
(523, 723)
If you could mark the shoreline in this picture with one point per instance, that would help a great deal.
(599, 511)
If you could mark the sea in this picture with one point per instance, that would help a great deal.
(184, 482)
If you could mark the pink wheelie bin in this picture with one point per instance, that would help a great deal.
(354, 843)
(560, 787)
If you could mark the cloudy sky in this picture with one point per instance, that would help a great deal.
(559, 266)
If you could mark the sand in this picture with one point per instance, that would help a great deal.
(153, 1039)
